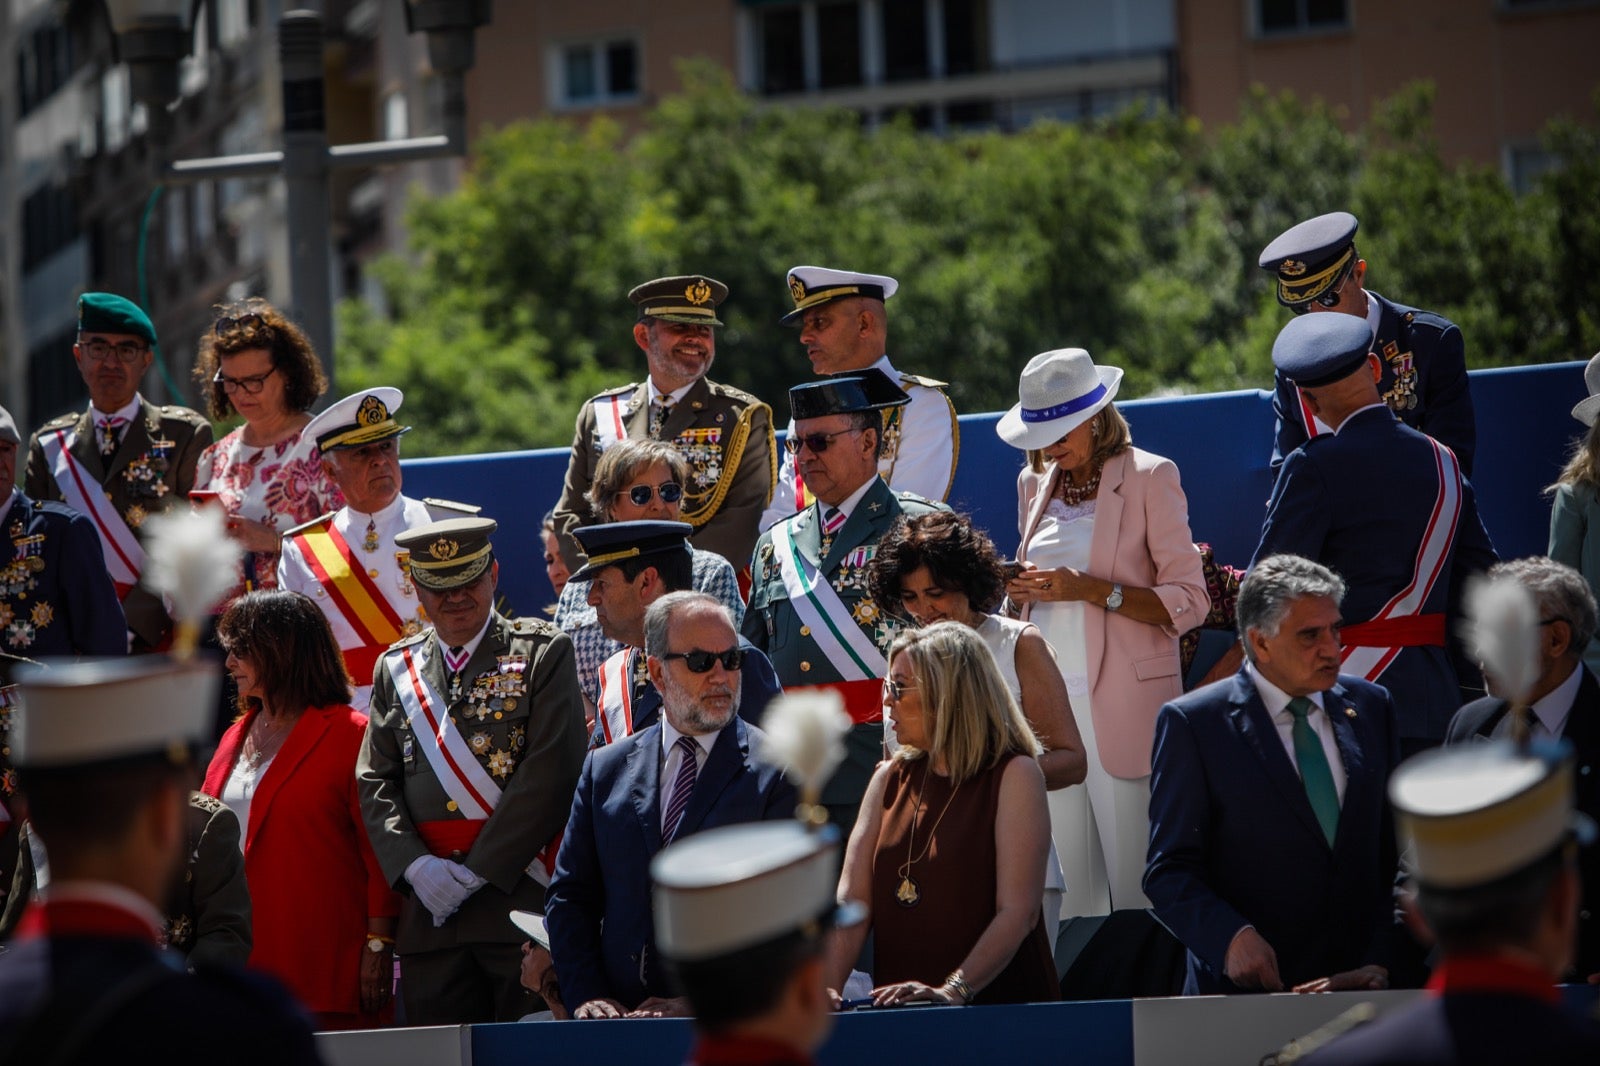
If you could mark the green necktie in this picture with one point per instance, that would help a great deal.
(1314, 772)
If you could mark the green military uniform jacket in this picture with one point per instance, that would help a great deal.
(154, 469)
(724, 433)
(772, 624)
(534, 750)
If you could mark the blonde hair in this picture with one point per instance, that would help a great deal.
(972, 721)
(1111, 437)
(1583, 468)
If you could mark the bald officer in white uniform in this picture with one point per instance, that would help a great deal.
(844, 328)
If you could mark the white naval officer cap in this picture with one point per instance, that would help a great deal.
(94, 711)
(811, 286)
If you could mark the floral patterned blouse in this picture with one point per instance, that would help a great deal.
(281, 485)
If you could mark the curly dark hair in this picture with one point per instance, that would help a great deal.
(289, 347)
(291, 646)
(959, 557)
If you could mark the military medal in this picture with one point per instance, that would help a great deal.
(501, 763)
(135, 516)
(402, 559)
(370, 541)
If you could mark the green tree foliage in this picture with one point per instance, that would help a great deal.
(1135, 237)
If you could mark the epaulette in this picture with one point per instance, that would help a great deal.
(439, 510)
(927, 383)
(412, 639)
(202, 802)
(317, 521)
(533, 627)
(733, 393)
(618, 391)
(60, 421)
(912, 498)
(61, 510)
(183, 414)
(1299, 1048)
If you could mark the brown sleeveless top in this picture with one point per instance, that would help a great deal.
(954, 886)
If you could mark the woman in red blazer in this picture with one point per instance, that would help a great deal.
(321, 912)
(1113, 580)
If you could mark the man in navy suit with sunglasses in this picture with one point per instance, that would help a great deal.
(1424, 378)
(694, 767)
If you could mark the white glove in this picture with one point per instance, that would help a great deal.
(441, 885)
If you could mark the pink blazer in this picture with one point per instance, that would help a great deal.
(1141, 539)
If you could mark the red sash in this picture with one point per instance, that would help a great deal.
(453, 836)
(1409, 631)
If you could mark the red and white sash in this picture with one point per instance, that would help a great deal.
(458, 771)
(610, 419)
(616, 697)
(1370, 661)
(124, 556)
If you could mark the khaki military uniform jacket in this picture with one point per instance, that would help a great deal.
(725, 434)
(153, 470)
(533, 745)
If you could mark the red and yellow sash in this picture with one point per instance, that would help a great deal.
(354, 593)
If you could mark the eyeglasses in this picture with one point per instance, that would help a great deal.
(251, 385)
(127, 352)
(699, 662)
(896, 690)
(249, 323)
(817, 442)
(669, 491)
(1328, 297)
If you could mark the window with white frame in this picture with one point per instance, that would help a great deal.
(591, 73)
(1275, 17)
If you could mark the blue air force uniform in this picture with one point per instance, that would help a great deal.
(1362, 501)
(56, 597)
(1424, 378)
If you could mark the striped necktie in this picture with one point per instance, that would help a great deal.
(1314, 771)
(832, 519)
(660, 411)
(682, 788)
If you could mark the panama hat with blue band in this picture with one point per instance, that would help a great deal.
(1060, 391)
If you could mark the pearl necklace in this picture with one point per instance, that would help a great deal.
(1075, 494)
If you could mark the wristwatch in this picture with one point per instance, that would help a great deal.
(1114, 601)
(376, 943)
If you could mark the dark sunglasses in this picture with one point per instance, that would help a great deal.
(1330, 296)
(817, 442)
(897, 690)
(699, 662)
(669, 491)
(248, 323)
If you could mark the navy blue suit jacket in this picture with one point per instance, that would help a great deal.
(602, 931)
(1234, 842)
(1409, 341)
(1479, 719)
(1360, 502)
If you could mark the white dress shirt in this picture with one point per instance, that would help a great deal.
(1277, 703)
(1551, 711)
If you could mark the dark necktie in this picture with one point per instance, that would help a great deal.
(682, 789)
(1314, 771)
(660, 410)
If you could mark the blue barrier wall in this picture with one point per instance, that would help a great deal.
(1220, 442)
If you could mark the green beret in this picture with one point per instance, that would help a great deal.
(105, 312)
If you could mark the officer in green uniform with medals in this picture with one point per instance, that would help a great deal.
(725, 434)
(473, 748)
(810, 610)
(122, 460)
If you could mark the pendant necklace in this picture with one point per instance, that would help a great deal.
(258, 749)
(908, 894)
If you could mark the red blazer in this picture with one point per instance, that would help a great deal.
(312, 874)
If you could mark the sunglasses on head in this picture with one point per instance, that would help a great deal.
(699, 662)
(246, 323)
(669, 491)
(817, 442)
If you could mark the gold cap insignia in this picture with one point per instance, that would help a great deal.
(797, 288)
(698, 293)
(372, 412)
(444, 549)
(1292, 268)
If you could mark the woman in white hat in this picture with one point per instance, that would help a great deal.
(1112, 579)
(1575, 511)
